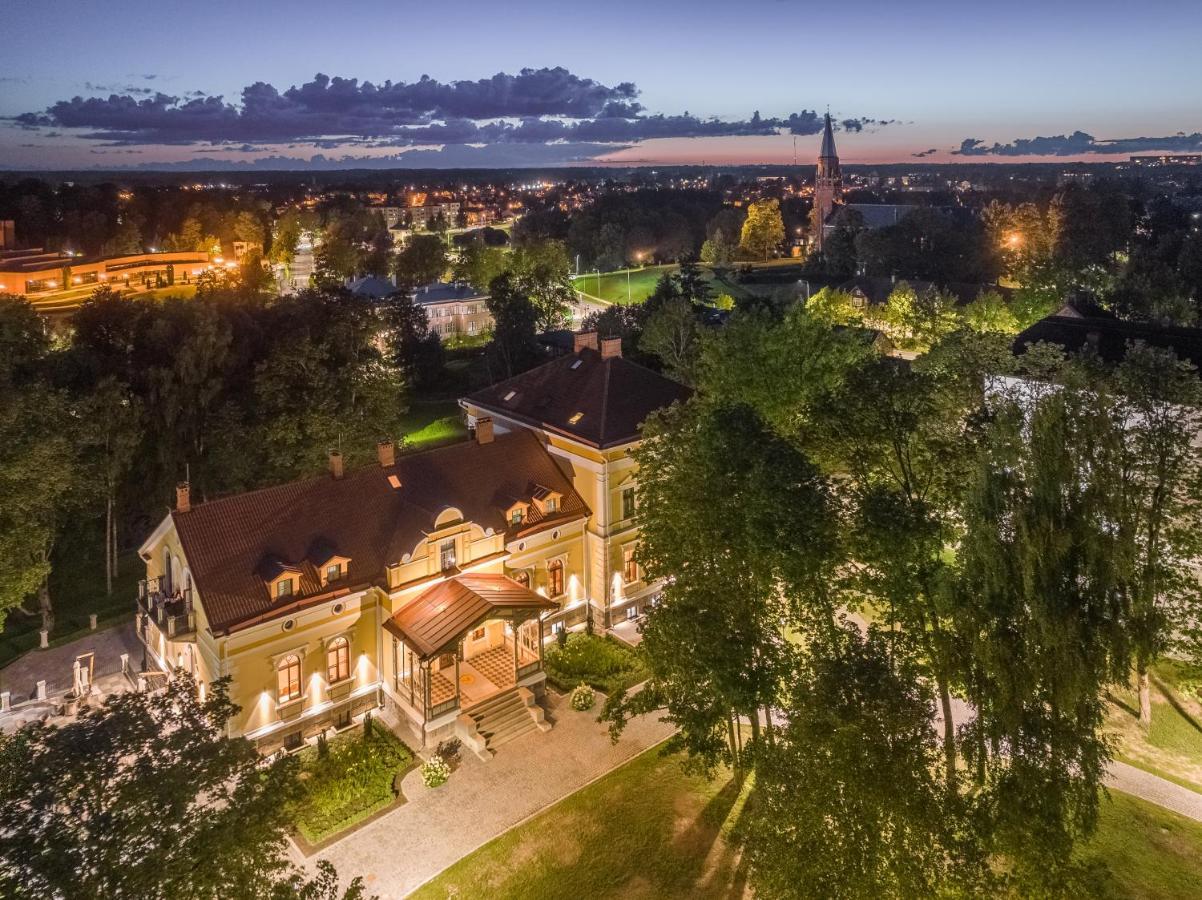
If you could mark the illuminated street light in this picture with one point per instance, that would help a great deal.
(1014, 240)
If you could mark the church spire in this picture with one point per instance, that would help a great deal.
(828, 141)
(828, 183)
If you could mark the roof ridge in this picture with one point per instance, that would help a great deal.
(605, 398)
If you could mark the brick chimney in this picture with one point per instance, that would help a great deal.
(336, 463)
(484, 433)
(387, 453)
(183, 497)
(611, 347)
(584, 339)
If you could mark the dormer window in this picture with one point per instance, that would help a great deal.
(283, 588)
(515, 517)
(551, 504)
(334, 572)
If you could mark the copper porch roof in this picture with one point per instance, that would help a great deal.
(442, 614)
(229, 542)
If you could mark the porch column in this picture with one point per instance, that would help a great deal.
(458, 656)
(516, 660)
(425, 664)
(540, 641)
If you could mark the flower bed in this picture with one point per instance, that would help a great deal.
(350, 782)
(604, 663)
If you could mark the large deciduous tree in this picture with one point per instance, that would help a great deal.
(763, 229)
(740, 522)
(147, 797)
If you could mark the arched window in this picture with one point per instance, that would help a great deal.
(289, 671)
(338, 660)
(522, 577)
(555, 577)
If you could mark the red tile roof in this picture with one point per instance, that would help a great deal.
(231, 543)
(440, 615)
(611, 395)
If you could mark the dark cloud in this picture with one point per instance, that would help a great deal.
(1079, 142)
(121, 89)
(923, 153)
(535, 106)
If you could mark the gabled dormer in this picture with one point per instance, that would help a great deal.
(330, 565)
(517, 513)
(281, 578)
(546, 500)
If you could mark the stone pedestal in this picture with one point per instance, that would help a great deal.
(43, 639)
(42, 687)
(92, 621)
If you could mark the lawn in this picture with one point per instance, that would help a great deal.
(648, 829)
(609, 665)
(1172, 747)
(1144, 852)
(352, 781)
(431, 423)
(76, 591)
(611, 286)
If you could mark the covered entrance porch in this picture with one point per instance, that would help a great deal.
(462, 643)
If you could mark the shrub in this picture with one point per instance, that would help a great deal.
(350, 781)
(602, 662)
(583, 698)
(448, 750)
(1190, 688)
(435, 772)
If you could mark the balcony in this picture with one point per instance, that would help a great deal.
(172, 612)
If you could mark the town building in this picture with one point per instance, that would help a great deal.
(43, 276)
(456, 310)
(427, 583)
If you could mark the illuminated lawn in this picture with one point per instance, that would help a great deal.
(1172, 747)
(433, 423)
(611, 286)
(646, 830)
(649, 830)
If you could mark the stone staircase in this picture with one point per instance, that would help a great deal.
(499, 720)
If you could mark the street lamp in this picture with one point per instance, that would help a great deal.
(638, 258)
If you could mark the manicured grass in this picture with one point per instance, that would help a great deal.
(646, 830)
(351, 782)
(431, 423)
(1144, 852)
(76, 591)
(611, 286)
(1172, 746)
(603, 662)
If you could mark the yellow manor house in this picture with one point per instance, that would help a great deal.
(426, 584)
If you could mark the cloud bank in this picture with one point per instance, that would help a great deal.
(1079, 142)
(535, 106)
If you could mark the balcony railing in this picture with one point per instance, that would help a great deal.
(173, 612)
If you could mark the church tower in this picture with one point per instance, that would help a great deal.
(828, 183)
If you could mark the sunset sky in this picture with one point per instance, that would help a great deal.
(909, 81)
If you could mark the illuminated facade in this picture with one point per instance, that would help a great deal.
(43, 277)
(427, 583)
